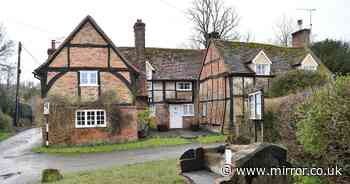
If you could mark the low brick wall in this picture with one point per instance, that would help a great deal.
(121, 126)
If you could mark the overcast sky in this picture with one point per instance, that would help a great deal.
(37, 22)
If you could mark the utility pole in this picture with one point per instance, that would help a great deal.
(15, 123)
(309, 10)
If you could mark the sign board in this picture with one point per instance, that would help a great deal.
(46, 108)
(256, 105)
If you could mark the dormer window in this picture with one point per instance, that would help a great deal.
(261, 64)
(309, 63)
(262, 69)
(149, 70)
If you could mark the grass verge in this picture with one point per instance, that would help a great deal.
(211, 139)
(4, 135)
(146, 143)
(163, 171)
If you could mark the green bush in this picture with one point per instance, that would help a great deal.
(5, 122)
(145, 117)
(295, 81)
(308, 180)
(323, 124)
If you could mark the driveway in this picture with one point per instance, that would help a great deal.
(19, 165)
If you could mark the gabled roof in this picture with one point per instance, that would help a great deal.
(170, 64)
(237, 55)
(87, 19)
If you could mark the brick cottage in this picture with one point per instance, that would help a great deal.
(105, 86)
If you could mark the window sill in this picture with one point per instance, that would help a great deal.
(183, 89)
(88, 85)
(82, 127)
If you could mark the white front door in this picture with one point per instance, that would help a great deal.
(176, 113)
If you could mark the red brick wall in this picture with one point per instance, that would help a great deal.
(65, 133)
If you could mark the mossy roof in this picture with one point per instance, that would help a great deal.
(170, 64)
(238, 55)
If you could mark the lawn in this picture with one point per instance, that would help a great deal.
(4, 135)
(211, 139)
(141, 144)
(146, 143)
(163, 171)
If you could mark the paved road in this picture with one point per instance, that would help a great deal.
(19, 165)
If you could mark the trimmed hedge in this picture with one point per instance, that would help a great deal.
(294, 81)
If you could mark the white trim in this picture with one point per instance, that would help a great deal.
(303, 67)
(257, 112)
(95, 125)
(178, 89)
(88, 72)
(188, 110)
(263, 53)
(149, 71)
(152, 68)
(268, 64)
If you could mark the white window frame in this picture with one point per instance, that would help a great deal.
(95, 125)
(178, 86)
(255, 105)
(267, 66)
(89, 74)
(188, 109)
(204, 109)
(309, 67)
(264, 70)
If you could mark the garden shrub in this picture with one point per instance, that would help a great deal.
(294, 81)
(323, 124)
(145, 117)
(5, 122)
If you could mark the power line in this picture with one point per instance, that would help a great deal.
(31, 55)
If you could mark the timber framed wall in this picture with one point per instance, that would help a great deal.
(214, 93)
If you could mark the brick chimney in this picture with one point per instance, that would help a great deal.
(52, 49)
(139, 31)
(301, 38)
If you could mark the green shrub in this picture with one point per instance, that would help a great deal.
(5, 122)
(295, 81)
(323, 124)
(308, 180)
(145, 117)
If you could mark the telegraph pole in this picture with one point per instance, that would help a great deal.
(15, 123)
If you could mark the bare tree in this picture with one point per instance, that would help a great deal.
(284, 28)
(6, 50)
(6, 45)
(213, 16)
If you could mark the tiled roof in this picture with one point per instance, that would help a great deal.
(170, 64)
(237, 55)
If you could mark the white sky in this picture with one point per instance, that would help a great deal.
(37, 22)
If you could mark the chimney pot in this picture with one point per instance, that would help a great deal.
(300, 24)
(53, 44)
(52, 49)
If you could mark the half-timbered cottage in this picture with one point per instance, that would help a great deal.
(232, 69)
(171, 80)
(84, 68)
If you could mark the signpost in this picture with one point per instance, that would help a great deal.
(46, 114)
